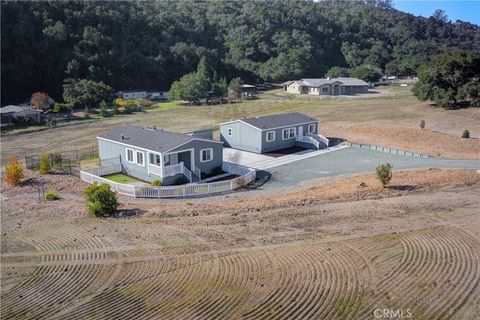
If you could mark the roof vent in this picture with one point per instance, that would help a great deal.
(154, 127)
(122, 136)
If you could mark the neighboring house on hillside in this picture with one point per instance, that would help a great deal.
(328, 86)
(19, 114)
(132, 94)
(155, 154)
(157, 95)
(248, 89)
(142, 94)
(271, 133)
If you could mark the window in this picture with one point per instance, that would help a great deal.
(288, 133)
(155, 159)
(140, 158)
(130, 155)
(311, 128)
(270, 136)
(229, 131)
(324, 89)
(206, 155)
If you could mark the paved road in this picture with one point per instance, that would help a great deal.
(352, 161)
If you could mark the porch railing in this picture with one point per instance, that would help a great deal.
(319, 137)
(172, 169)
(187, 173)
(307, 139)
(157, 170)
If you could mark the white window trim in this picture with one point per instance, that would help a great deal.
(311, 125)
(143, 158)
(273, 139)
(229, 132)
(211, 154)
(133, 155)
(290, 130)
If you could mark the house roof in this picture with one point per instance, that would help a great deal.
(278, 120)
(14, 109)
(321, 82)
(147, 138)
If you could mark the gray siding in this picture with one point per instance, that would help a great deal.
(108, 150)
(243, 137)
(198, 145)
(247, 138)
(279, 143)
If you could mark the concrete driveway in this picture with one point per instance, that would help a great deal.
(351, 161)
(246, 158)
(264, 162)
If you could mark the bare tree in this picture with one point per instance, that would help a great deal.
(235, 159)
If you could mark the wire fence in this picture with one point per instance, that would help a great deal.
(68, 161)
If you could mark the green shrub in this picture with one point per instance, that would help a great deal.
(100, 199)
(384, 173)
(466, 134)
(217, 170)
(422, 124)
(45, 165)
(51, 196)
(182, 180)
(156, 183)
(61, 107)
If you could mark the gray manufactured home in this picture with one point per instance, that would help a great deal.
(155, 154)
(271, 133)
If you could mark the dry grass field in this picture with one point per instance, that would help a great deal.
(365, 120)
(339, 250)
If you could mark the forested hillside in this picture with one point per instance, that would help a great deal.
(150, 44)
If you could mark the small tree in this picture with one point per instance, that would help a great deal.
(466, 134)
(235, 87)
(384, 173)
(235, 159)
(422, 124)
(45, 165)
(103, 109)
(14, 171)
(40, 101)
(100, 199)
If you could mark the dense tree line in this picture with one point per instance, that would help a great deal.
(451, 80)
(146, 44)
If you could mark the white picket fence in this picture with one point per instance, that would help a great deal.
(246, 175)
(94, 175)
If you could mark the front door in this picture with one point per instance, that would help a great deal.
(300, 131)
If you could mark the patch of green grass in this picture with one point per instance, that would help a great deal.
(120, 178)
